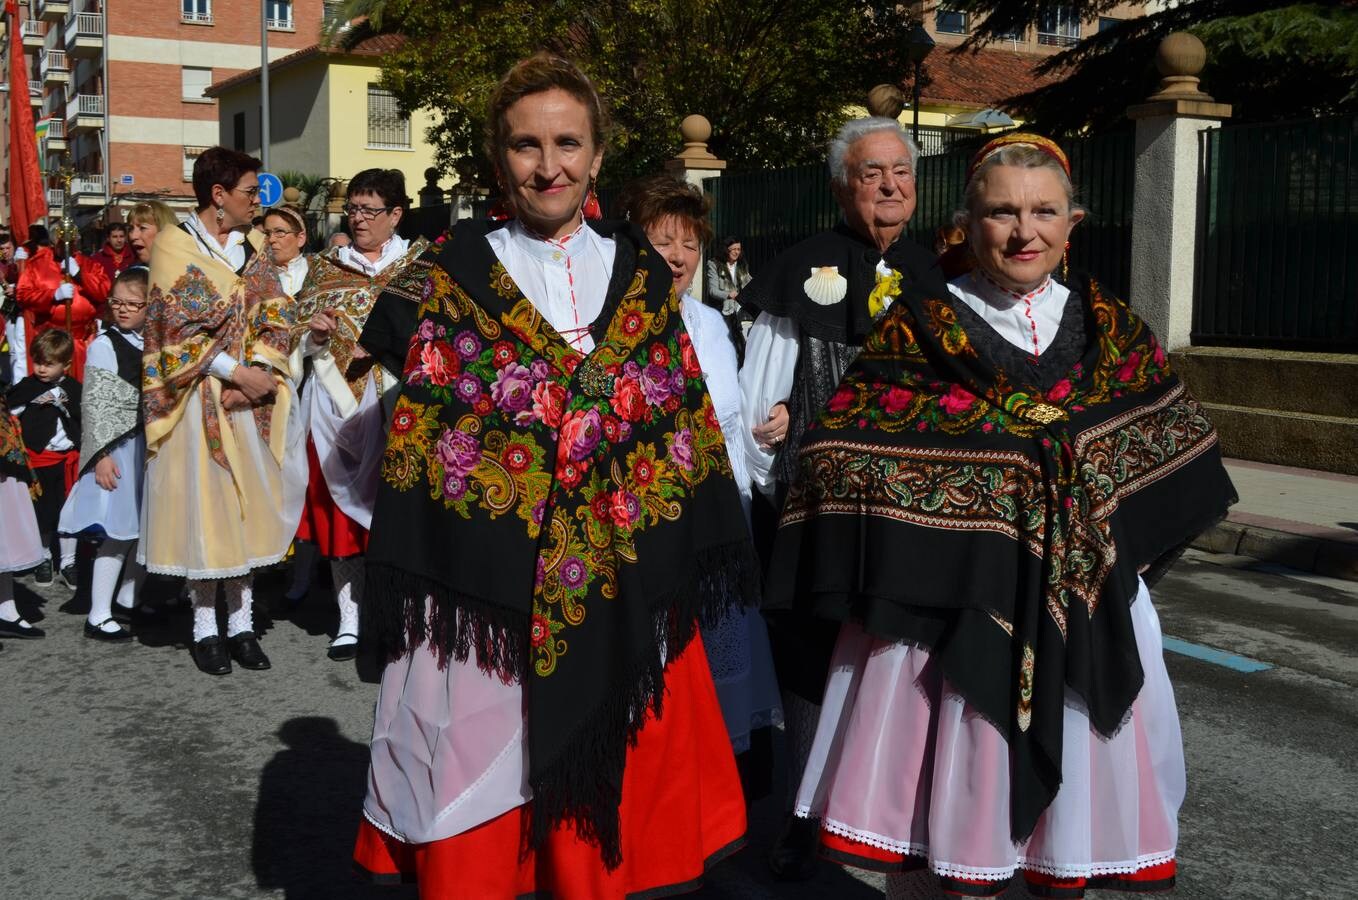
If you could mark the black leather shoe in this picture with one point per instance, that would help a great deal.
(98, 633)
(20, 629)
(245, 650)
(793, 857)
(209, 655)
(42, 575)
(343, 652)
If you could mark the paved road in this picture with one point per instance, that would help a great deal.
(130, 775)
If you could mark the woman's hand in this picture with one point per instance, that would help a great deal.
(233, 400)
(256, 384)
(774, 431)
(323, 324)
(107, 474)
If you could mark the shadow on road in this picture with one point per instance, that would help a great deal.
(307, 812)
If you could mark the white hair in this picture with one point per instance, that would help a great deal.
(853, 131)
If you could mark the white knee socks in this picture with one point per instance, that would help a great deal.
(9, 610)
(348, 577)
(203, 597)
(108, 566)
(240, 605)
(67, 548)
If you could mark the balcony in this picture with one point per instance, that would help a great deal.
(33, 32)
(55, 69)
(55, 198)
(196, 18)
(89, 189)
(53, 10)
(1057, 39)
(84, 112)
(85, 34)
(56, 135)
(280, 24)
(35, 93)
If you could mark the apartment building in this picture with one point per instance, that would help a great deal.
(118, 88)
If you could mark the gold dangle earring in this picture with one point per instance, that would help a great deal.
(221, 214)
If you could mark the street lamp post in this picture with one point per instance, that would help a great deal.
(918, 45)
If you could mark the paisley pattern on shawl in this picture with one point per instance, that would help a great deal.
(946, 501)
(198, 308)
(597, 484)
(350, 294)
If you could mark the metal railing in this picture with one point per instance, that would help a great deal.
(89, 183)
(85, 105)
(281, 24)
(1277, 237)
(56, 128)
(34, 88)
(203, 17)
(1057, 39)
(33, 28)
(85, 25)
(55, 198)
(54, 61)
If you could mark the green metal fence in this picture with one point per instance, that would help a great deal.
(770, 211)
(1277, 245)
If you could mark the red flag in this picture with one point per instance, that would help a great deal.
(27, 199)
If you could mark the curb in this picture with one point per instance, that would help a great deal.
(1333, 559)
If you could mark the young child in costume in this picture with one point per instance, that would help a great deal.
(105, 505)
(48, 406)
(21, 546)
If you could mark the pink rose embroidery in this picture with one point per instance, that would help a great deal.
(957, 400)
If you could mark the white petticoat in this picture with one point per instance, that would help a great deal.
(742, 671)
(92, 512)
(20, 543)
(901, 762)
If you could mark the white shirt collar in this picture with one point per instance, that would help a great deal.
(233, 253)
(551, 250)
(395, 248)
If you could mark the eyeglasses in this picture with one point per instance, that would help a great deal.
(365, 212)
(252, 193)
(280, 232)
(124, 303)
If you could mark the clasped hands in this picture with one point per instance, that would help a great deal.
(249, 386)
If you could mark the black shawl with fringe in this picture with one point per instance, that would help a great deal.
(569, 516)
(952, 499)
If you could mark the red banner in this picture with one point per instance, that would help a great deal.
(27, 199)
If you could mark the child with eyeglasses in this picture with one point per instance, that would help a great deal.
(105, 505)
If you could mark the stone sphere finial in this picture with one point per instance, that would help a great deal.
(695, 129)
(292, 195)
(886, 100)
(1180, 58)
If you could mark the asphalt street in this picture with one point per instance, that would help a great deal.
(128, 774)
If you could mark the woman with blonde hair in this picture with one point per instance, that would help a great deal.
(144, 222)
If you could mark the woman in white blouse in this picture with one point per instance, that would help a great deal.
(285, 230)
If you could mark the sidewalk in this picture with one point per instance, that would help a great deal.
(1299, 518)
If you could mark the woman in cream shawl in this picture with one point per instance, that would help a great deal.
(223, 490)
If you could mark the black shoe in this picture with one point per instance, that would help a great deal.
(69, 576)
(344, 651)
(793, 857)
(42, 575)
(245, 650)
(98, 633)
(20, 629)
(209, 655)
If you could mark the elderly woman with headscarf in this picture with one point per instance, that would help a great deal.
(982, 503)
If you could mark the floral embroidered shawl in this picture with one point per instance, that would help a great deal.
(945, 501)
(568, 516)
(198, 307)
(14, 462)
(330, 284)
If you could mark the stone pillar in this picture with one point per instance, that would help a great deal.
(696, 164)
(1165, 202)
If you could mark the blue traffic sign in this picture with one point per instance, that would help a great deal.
(270, 189)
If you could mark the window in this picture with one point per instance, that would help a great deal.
(191, 155)
(1106, 22)
(279, 14)
(238, 132)
(195, 81)
(1058, 26)
(196, 11)
(950, 21)
(387, 128)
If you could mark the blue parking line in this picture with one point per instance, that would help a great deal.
(1214, 656)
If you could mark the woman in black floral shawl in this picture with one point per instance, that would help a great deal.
(982, 503)
(556, 512)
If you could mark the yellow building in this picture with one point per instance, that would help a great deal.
(328, 115)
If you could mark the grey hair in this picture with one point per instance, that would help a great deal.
(1022, 156)
(853, 131)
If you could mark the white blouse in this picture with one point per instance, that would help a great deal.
(717, 356)
(293, 274)
(566, 279)
(395, 248)
(1028, 321)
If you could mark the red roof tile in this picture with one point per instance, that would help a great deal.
(982, 79)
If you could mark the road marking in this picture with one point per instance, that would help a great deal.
(1214, 656)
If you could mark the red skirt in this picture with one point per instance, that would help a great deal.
(323, 523)
(682, 810)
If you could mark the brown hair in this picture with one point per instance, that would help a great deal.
(651, 199)
(152, 212)
(218, 165)
(53, 346)
(137, 276)
(540, 72)
(288, 212)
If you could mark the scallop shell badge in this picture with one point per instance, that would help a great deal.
(826, 286)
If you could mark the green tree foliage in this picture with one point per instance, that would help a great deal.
(1269, 59)
(773, 76)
